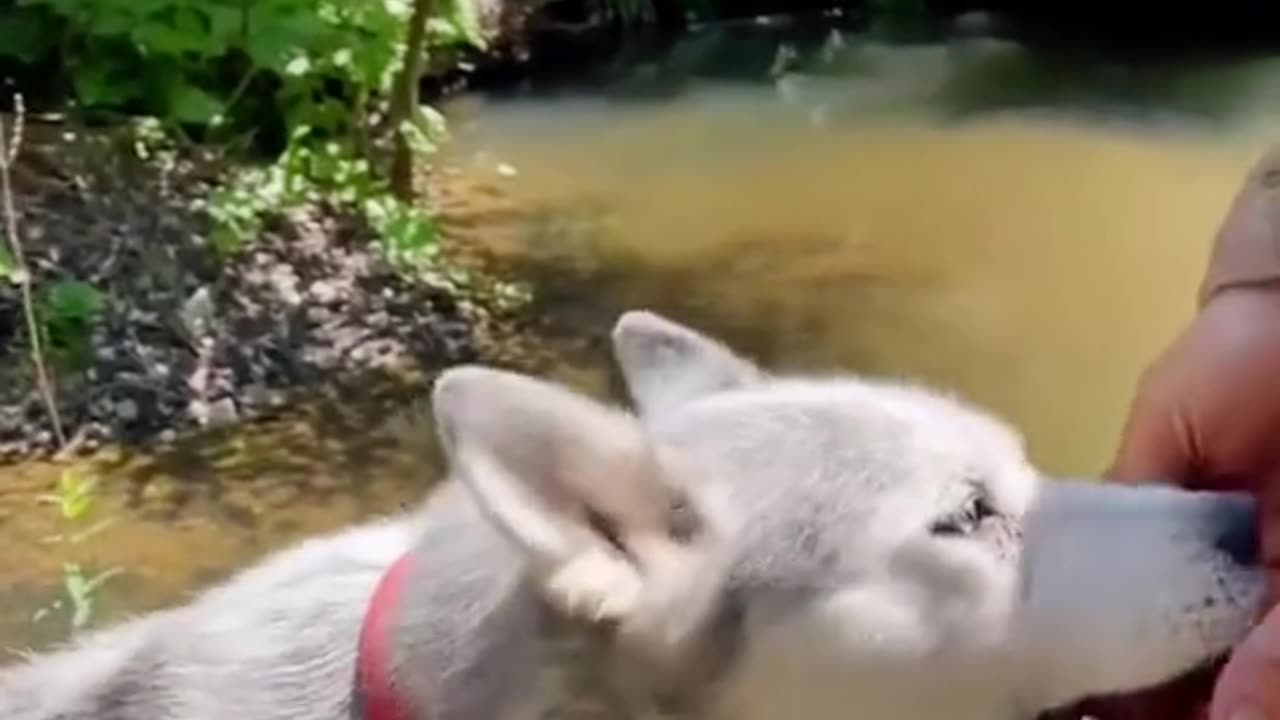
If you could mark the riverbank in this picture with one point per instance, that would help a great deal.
(152, 331)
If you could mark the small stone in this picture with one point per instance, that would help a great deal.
(222, 412)
(256, 394)
(167, 436)
(323, 292)
(317, 315)
(285, 282)
(197, 313)
(199, 411)
(126, 410)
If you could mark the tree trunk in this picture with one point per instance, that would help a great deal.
(404, 99)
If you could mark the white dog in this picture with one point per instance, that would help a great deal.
(745, 547)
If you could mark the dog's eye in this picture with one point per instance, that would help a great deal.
(966, 520)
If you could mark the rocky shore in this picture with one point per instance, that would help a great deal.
(180, 337)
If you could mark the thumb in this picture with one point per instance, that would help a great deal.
(1249, 686)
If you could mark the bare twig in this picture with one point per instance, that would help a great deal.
(19, 116)
(8, 154)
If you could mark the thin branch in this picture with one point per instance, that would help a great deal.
(8, 154)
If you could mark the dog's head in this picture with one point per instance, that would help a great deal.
(826, 541)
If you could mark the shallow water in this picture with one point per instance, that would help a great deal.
(1025, 231)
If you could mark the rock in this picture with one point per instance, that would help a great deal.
(318, 315)
(197, 314)
(218, 413)
(285, 282)
(198, 410)
(323, 292)
(255, 394)
(222, 412)
(126, 411)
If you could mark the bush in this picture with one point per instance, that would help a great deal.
(308, 81)
(205, 63)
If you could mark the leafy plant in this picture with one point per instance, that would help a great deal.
(191, 61)
(74, 498)
(323, 172)
(322, 71)
(68, 311)
(82, 592)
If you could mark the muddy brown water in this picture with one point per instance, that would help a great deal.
(1030, 246)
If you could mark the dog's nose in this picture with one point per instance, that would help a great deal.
(1237, 531)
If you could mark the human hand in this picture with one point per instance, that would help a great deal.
(1207, 412)
(1207, 416)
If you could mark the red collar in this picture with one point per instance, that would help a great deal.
(375, 693)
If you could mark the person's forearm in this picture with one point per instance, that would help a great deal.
(1246, 250)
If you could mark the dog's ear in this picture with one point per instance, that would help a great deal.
(610, 525)
(665, 364)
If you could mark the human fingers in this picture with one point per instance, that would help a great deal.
(1248, 687)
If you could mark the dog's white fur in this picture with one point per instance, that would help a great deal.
(747, 547)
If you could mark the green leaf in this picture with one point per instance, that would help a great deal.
(29, 34)
(464, 17)
(75, 494)
(104, 84)
(114, 19)
(8, 266)
(298, 66)
(73, 300)
(78, 592)
(190, 104)
(225, 23)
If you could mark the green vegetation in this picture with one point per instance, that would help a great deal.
(309, 81)
(73, 500)
(305, 101)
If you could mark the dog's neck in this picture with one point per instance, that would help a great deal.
(375, 696)
(573, 675)
(506, 654)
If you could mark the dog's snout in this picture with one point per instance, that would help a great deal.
(1236, 531)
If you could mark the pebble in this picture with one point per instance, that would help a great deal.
(126, 410)
(222, 412)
